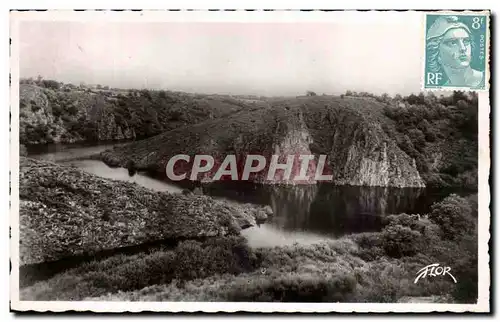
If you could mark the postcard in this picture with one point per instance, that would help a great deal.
(255, 161)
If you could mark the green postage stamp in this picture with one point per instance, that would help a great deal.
(456, 51)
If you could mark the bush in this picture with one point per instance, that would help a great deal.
(473, 201)
(57, 110)
(371, 245)
(465, 271)
(448, 125)
(295, 288)
(189, 260)
(454, 216)
(71, 109)
(216, 256)
(402, 219)
(401, 241)
(35, 108)
(417, 138)
(52, 84)
(145, 93)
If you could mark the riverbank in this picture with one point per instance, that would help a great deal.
(66, 212)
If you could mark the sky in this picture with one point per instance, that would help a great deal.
(271, 59)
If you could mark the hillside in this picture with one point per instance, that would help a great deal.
(347, 130)
(69, 115)
(65, 211)
(369, 140)
(440, 133)
(373, 141)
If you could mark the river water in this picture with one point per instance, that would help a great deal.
(302, 214)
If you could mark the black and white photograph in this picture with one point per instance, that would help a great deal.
(265, 161)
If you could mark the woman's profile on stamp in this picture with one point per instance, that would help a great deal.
(449, 52)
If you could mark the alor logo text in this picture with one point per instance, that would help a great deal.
(433, 270)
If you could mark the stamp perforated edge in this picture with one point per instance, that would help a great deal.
(487, 75)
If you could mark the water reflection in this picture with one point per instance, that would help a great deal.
(337, 210)
(291, 205)
(102, 170)
(327, 209)
(303, 214)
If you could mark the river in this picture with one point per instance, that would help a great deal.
(302, 214)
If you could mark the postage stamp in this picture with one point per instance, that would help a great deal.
(222, 161)
(456, 51)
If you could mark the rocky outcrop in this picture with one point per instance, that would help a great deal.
(49, 116)
(347, 131)
(75, 115)
(360, 152)
(67, 212)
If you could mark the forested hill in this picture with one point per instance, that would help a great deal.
(440, 133)
(55, 113)
(436, 135)
(375, 141)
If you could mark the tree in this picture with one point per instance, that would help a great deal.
(415, 100)
(52, 84)
(454, 216)
(417, 138)
(401, 241)
(458, 96)
(145, 93)
(311, 93)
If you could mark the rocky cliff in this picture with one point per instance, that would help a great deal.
(347, 130)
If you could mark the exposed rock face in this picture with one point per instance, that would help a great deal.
(48, 116)
(359, 151)
(75, 115)
(347, 131)
(65, 212)
(367, 158)
(109, 130)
